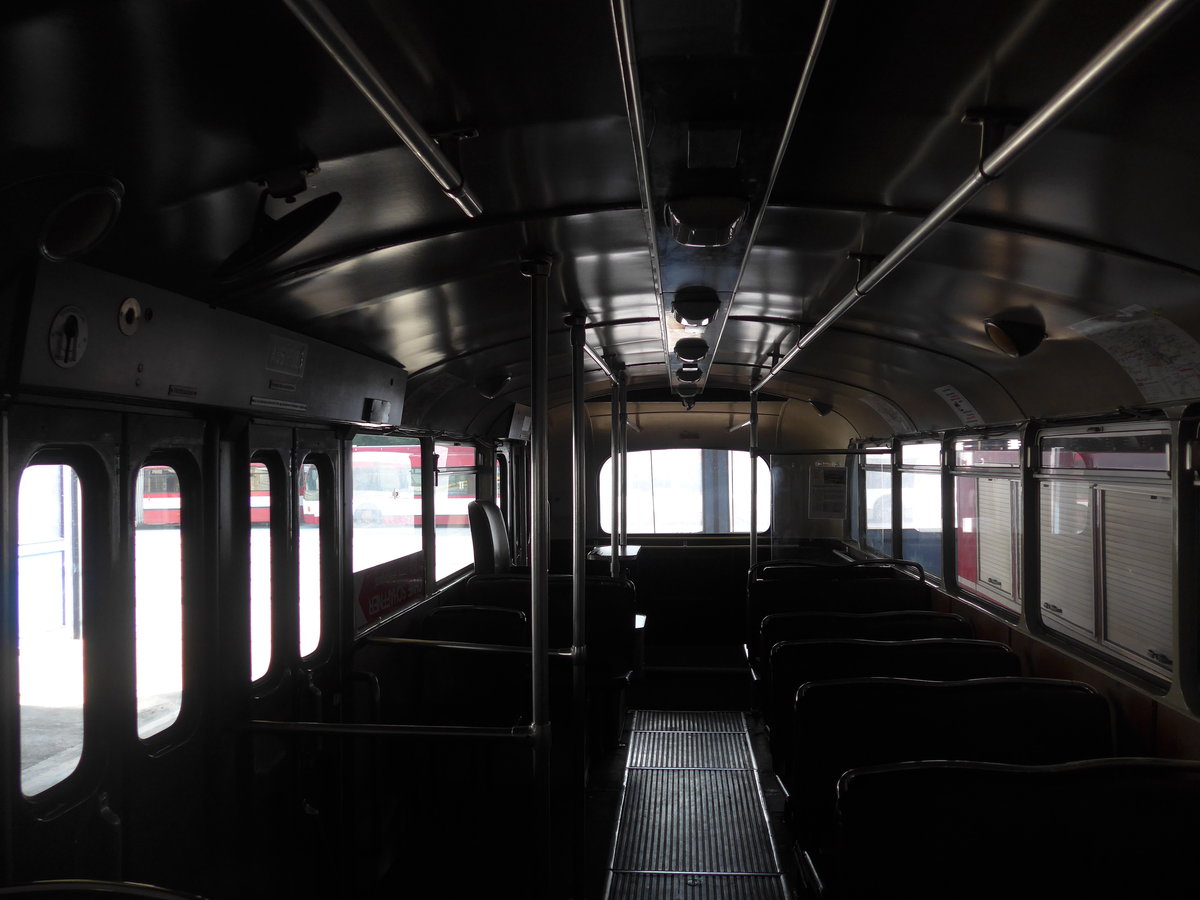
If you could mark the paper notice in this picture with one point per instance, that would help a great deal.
(1161, 358)
(896, 420)
(966, 412)
(827, 492)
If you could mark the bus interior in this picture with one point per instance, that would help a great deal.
(608, 449)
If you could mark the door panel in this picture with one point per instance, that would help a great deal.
(168, 820)
(293, 814)
(73, 822)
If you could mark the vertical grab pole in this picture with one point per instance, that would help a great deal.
(579, 595)
(753, 482)
(538, 271)
(614, 466)
(624, 437)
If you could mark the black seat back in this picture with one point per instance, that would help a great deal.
(692, 594)
(477, 625)
(1099, 828)
(489, 538)
(609, 611)
(902, 625)
(70, 888)
(793, 663)
(475, 687)
(848, 723)
(850, 589)
(609, 614)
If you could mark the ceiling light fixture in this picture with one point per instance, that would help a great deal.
(1016, 333)
(691, 349)
(705, 221)
(696, 305)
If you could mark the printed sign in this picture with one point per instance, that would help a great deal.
(388, 587)
(896, 420)
(827, 492)
(966, 412)
(1162, 359)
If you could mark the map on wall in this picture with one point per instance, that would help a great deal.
(1162, 359)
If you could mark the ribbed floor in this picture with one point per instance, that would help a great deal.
(685, 750)
(695, 887)
(701, 722)
(693, 825)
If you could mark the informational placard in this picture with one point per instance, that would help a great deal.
(827, 492)
(890, 413)
(387, 588)
(963, 408)
(1161, 358)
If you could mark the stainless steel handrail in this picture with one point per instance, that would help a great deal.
(1103, 64)
(623, 33)
(810, 65)
(324, 26)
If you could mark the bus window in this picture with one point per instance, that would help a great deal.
(311, 555)
(158, 598)
(260, 570)
(987, 518)
(50, 625)
(455, 489)
(878, 493)
(688, 491)
(987, 537)
(1106, 568)
(386, 499)
(921, 505)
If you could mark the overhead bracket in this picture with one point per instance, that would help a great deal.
(995, 125)
(866, 262)
(451, 142)
(285, 182)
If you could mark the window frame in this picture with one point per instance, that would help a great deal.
(877, 450)
(191, 522)
(764, 478)
(479, 470)
(97, 503)
(278, 503)
(1014, 475)
(1098, 482)
(328, 578)
(938, 470)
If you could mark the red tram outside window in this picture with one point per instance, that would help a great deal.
(387, 486)
(158, 503)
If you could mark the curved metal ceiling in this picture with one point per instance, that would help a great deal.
(191, 104)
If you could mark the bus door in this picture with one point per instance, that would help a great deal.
(316, 467)
(289, 522)
(65, 712)
(169, 820)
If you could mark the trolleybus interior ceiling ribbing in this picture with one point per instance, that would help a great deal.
(212, 129)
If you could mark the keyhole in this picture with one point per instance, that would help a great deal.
(68, 337)
(71, 338)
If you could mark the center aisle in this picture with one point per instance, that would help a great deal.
(693, 821)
